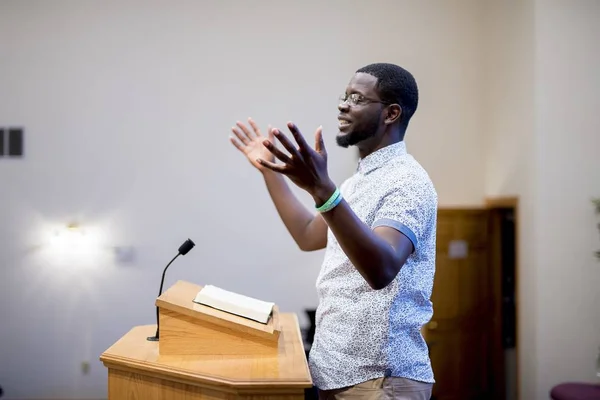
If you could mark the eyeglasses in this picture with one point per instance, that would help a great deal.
(356, 99)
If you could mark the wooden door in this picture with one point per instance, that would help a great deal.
(460, 332)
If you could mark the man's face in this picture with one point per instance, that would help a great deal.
(360, 116)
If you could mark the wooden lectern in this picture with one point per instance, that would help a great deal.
(204, 353)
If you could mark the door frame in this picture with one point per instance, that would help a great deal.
(494, 203)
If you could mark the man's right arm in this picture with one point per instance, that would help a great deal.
(308, 230)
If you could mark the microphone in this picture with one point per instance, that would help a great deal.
(182, 251)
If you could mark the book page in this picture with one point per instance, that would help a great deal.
(235, 303)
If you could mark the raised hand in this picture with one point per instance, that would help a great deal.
(251, 143)
(306, 167)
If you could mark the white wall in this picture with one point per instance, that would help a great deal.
(510, 154)
(543, 64)
(127, 108)
(568, 173)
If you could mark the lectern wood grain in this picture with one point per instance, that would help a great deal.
(138, 371)
(183, 335)
(179, 299)
(131, 386)
(188, 328)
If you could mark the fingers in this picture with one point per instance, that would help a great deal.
(304, 148)
(255, 127)
(276, 152)
(272, 166)
(242, 136)
(286, 143)
(319, 143)
(236, 143)
(271, 134)
(245, 129)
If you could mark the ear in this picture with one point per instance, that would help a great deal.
(394, 112)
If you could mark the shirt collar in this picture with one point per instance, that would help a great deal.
(380, 157)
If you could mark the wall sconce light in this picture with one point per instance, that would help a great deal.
(72, 246)
(70, 234)
(73, 240)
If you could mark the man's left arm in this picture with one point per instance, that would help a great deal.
(379, 251)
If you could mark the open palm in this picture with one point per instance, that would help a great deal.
(251, 143)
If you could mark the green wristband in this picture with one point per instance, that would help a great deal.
(329, 204)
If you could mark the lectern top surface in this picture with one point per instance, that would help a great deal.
(288, 368)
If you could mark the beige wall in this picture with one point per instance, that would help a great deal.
(510, 156)
(542, 145)
(127, 106)
(568, 176)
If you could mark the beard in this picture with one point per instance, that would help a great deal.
(365, 131)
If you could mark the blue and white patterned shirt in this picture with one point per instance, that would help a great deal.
(362, 333)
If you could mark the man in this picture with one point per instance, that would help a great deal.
(379, 233)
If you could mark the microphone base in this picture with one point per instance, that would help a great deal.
(152, 338)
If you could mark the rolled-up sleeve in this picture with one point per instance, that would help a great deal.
(407, 208)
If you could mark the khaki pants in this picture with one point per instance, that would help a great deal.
(392, 388)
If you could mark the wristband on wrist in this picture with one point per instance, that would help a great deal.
(333, 201)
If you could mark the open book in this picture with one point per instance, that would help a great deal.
(234, 303)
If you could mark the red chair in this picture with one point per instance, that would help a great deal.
(575, 391)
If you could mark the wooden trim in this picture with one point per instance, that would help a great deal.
(495, 266)
(461, 207)
(512, 202)
(123, 384)
(502, 202)
(287, 370)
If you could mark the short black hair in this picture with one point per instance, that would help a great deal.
(395, 85)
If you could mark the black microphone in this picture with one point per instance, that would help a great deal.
(183, 250)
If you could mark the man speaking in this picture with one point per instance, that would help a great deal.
(379, 232)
